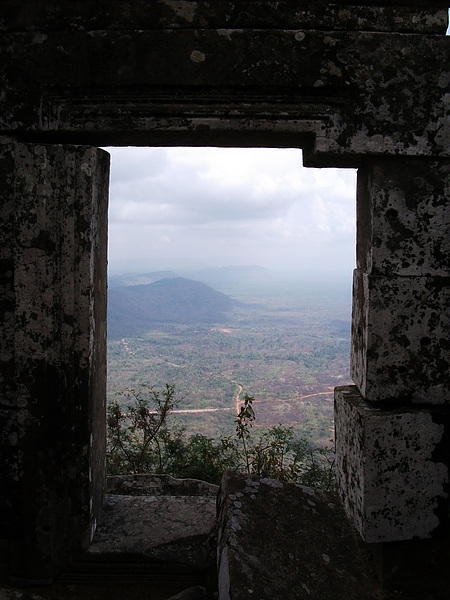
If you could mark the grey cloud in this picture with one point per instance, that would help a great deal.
(241, 208)
(183, 196)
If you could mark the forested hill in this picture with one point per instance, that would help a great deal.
(133, 310)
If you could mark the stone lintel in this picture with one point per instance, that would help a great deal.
(371, 105)
(392, 468)
(400, 338)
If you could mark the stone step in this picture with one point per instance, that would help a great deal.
(172, 529)
(152, 528)
(155, 539)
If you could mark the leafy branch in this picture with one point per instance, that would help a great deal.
(244, 423)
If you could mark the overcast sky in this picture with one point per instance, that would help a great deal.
(222, 206)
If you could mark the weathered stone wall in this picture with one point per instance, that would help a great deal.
(281, 540)
(393, 455)
(361, 83)
(421, 16)
(400, 340)
(53, 332)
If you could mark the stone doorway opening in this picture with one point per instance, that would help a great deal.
(276, 234)
(341, 187)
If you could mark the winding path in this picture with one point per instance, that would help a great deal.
(202, 410)
(238, 398)
(237, 404)
(199, 410)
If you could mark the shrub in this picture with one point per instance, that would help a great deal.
(139, 440)
(136, 432)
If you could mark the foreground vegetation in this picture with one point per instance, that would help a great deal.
(141, 439)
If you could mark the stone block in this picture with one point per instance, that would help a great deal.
(400, 338)
(7, 321)
(11, 471)
(392, 468)
(53, 351)
(158, 485)
(404, 218)
(7, 324)
(281, 540)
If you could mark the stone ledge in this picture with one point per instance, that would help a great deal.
(380, 16)
(164, 528)
(159, 485)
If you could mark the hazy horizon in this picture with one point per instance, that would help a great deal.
(190, 208)
(205, 271)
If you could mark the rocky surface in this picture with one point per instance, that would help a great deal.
(194, 593)
(360, 83)
(157, 517)
(279, 540)
(155, 538)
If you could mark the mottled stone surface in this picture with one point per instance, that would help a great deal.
(385, 16)
(392, 468)
(340, 82)
(404, 218)
(352, 83)
(158, 545)
(118, 591)
(401, 292)
(194, 593)
(278, 540)
(400, 338)
(53, 329)
(15, 594)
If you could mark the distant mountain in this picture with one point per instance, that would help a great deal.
(220, 277)
(115, 281)
(232, 275)
(133, 310)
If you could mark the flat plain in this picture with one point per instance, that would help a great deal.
(285, 343)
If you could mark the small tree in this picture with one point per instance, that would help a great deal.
(207, 458)
(136, 434)
(244, 423)
(272, 453)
